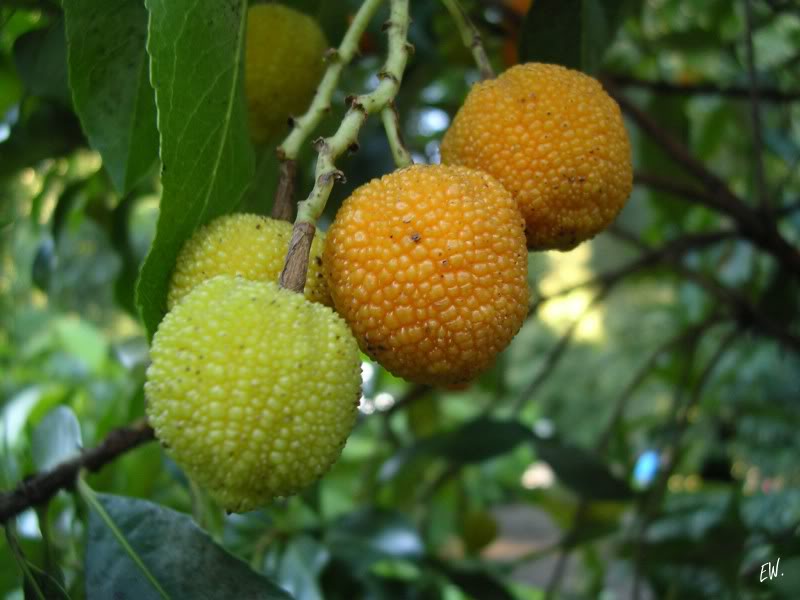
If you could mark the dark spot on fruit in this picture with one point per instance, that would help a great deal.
(318, 260)
(415, 237)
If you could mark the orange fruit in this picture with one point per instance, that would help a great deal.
(428, 266)
(555, 139)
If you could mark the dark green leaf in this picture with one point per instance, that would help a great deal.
(48, 130)
(300, 566)
(109, 75)
(582, 471)
(196, 51)
(573, 33)
(475, 581)
(480, 440)
(367, 536)
(475, 441)
(180, 555)
(56, 439)
(41, 60)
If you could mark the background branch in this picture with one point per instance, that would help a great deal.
(754, 225)
(706, 88)
(43, 486)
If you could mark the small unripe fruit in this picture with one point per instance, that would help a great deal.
(555, 139)
(284, 63)
(251, 246)
(428, 266)
(478, 530)
(252, 389)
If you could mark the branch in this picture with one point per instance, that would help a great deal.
(338, 59)
(41, 487)
(760, 230)
(672, 452)
(293, 276)
(303, 126)
(755, 113)
(671, 250)
(471, 37)
(670, 185)
(689, 335)
(746, 313)
(709, 89)
(556, 353)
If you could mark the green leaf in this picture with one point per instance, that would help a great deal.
(109, 75)
(572, 33)
(40, 58)
(582, 471)
(56, 438)
(196, 51)
(180, 555)
(364, 537)
(480, 440)
(300, 567)
(475, 441)
(475, 580)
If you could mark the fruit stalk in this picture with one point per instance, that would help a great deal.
(346, 138)
(303, 126)
(391, 123)
(471, 36)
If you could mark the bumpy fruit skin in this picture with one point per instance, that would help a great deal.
(428, 266)
(284, 64)
(243, 244)
(556, 141)
(252, 389)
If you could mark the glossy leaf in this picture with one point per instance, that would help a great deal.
(109, 76)
(196, 52)
(40, 58)
(180, 556)
(573, 33)
(56, 439)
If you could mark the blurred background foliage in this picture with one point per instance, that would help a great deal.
(638, 438)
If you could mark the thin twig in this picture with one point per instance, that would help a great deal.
(293, 276)
(706, 88)
(742, 309)
(670, 185)
(672, 453)
(41, 487)
(471, 37)
(691, 334)
(760, 230)
(391, 123)
(556, 353)
(338, 59)
(651, 257)
(304, 126)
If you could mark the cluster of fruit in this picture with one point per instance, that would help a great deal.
(254, 389)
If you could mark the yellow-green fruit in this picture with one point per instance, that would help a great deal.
(252, 389)
(284, 63)
(478, 530)
(251, 246)
(555, 139)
